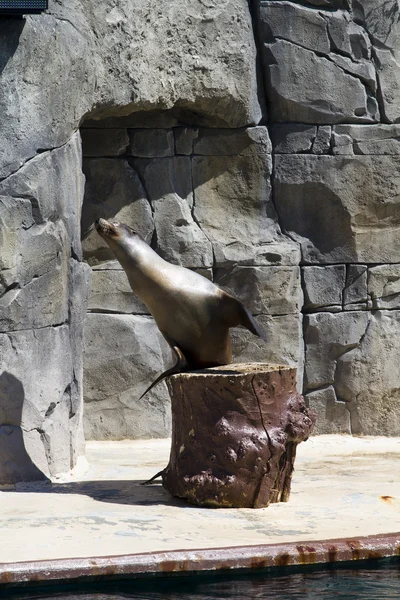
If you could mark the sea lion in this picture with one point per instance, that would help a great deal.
(193, 314)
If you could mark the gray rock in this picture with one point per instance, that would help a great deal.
(332, 416)
(282, 252)
(322, 141)
(151, 143)
(381, 21)
(42, 100)
(266, 290)
(347, 37)
(323, 286)
(104, 142)
(123, 355)
(37, 294)
(113, 191)
(384, 286)
(224, 142)
(368, 377)
(327, 337)
(293, 138)
(184, 139)
(365, 71)
(54, 184)
(341, 209)
(150, 119)
(233, 197)
(283, 345)
(308, 88)
(85, 64)
(35, 400)
(355, 291)
(180, 240)
(79, 286)
(294, 23)
(367, 139)
(111, 292)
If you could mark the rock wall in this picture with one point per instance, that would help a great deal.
(190, 98)
(202, 197)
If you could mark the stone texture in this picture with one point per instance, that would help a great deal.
(356, 354)
(36, 403)
(113, 190)
(340, 209)
(153, 143)
(224, 142)
(323, 286)
(283, 345)
(282, 252)
(327, 337)
(266, 290)
(293, 138)
(184, 139)
(180, 240)
(381, 21)
(111, 292)
(317, 65)
(43, 289)
(368, 377)
(237, 186)
(54, 184)
(368, 139)
(123, 355)
(100, 142)
(332, 416)
(87, 63)
(355, 291)
(384, 286)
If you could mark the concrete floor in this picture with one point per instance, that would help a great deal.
(342, 487)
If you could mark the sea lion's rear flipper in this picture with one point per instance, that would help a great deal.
(179, 366)
(237, 314)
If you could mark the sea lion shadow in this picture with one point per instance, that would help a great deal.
(15, 461)
(130, 492)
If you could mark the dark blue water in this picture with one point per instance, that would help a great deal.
(379, 583)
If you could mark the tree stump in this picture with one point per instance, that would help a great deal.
(234, 435)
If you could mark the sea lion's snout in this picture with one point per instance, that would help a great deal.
(106, 229)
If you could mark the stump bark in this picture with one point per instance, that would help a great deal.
(234, 435)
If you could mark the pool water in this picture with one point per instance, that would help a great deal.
(382, 582)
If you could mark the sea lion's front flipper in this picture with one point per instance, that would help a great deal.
(237, 314)
(180, 365)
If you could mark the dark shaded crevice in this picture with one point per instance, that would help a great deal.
(194, 217)
(261, 84)
(13, 286)
(9, 332)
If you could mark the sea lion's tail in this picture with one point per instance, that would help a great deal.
(175, 369)
(236, 313)
(248, 321)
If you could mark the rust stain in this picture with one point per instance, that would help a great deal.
(258, 563)
(307, 554)
(374, 555)
(282, 560)
(355, 548)
(332, 553)
(168, 565)
(6, 577)
(388, 499)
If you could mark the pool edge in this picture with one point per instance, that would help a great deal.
(228, 559)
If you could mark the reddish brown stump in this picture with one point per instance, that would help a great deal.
(234, 435)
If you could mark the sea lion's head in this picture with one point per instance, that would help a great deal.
(122, 239)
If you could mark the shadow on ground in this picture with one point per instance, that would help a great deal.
(114, 491)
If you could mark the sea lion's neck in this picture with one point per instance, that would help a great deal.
(142, 266)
